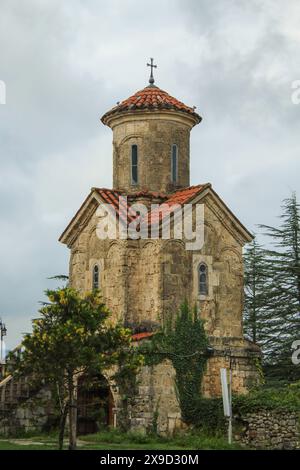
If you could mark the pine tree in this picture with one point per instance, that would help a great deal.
(282, 303)
(256, 293)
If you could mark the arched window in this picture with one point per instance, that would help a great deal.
(174, 163)
(202, 279)
(96, 274)
(134, 164)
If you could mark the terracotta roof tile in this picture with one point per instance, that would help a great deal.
(181, 196)
(139, 336)
(149, 98)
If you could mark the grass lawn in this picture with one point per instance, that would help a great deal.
(114, 440)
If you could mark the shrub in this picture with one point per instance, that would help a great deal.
(284, 398)
(209, 416)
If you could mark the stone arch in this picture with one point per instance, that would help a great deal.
(176, 276)
(234, 259)
(114, 248)
(96, 401)
(231, 291)
(129, 137)
(166, 244)
(233, 249)
(77, 269)
(110, 377)
(122, 160)
(95, 253)
(114, 280)
(150, 264)
(143, 283)
(93, 245)
(211, 244)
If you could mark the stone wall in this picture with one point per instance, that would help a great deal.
(32, 415)
(242, 356)
(154, 139)
(266, 429)
(156, 403)
(146, 280)
(156, 406)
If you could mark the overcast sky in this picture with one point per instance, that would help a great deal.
(67, 62)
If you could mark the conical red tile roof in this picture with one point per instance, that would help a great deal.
(151, 98)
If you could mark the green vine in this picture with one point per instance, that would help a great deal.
(185, 344)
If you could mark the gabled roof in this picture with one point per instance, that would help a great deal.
(181, 196)
(121, 203)
(151, 98)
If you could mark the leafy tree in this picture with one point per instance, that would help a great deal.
(72, 337)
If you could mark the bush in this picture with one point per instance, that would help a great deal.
(285, 398)
(208, 412)
(208, 415)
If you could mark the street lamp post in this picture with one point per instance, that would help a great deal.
(3, 332)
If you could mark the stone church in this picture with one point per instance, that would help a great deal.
(143, 280)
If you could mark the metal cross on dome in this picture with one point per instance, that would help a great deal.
(151, 79)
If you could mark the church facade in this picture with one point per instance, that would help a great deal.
(144, 280)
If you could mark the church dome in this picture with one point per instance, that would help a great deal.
(151, 140)
(151, 98)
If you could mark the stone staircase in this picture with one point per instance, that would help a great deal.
(12, 392)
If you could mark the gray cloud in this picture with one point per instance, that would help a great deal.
(66, 63)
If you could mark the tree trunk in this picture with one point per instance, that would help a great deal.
(62, 424)
(72, 413)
